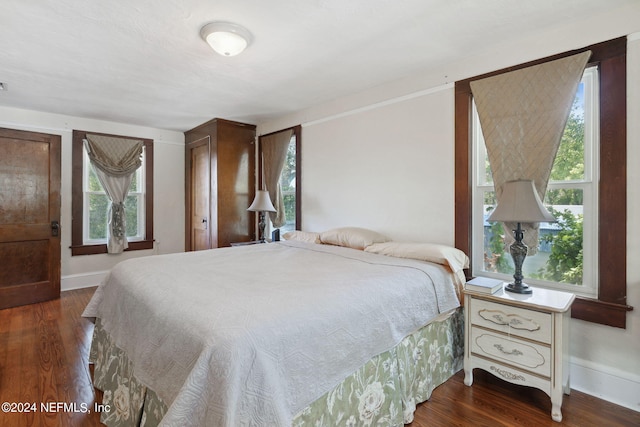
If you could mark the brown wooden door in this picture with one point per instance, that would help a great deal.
(29, 217)
(200, 196)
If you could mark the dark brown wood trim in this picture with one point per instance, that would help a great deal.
(597, 311)
(599, 52)
(297, 131)
(77, 197)
(463, 182)
(102, 249)
(148, 195)
(613, 181)
(610, 308)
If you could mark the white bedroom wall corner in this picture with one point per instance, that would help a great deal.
(604, 382)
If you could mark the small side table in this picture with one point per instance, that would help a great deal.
(522, 339)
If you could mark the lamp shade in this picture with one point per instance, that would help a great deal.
(262, 202)
(520, 202)
(226, 38)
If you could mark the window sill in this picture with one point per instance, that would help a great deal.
(602, 312)
(102, 248)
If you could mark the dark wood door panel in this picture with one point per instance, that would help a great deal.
(24, 177)
(28, 260)
(29, 203)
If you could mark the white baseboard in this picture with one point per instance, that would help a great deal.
(607, 383)
(83, 280)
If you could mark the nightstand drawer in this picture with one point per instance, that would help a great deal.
(533, 325)
(525, 355)
(515, 376)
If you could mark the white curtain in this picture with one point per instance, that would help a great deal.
(115, 160)
(274, 154)
(523, 114)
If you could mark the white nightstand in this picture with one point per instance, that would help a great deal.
(522, 339)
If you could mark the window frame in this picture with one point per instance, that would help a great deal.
(587, 184)
(610, 306)
(77, 198)
(297, 132)
(139, 194)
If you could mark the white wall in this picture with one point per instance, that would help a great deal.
(383, 169)
(88, 270)
(383, 159)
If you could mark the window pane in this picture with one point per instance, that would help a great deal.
(496, 259)
(562, 240)
(560, 251)
(570, 161)
(288, 185)
(131, 212)
(98, 205)
(134, 182)
(94, 183)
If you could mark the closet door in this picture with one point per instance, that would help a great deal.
(200, 195)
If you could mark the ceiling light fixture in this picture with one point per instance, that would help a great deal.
(226, 38)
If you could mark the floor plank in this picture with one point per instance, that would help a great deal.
(44, 350)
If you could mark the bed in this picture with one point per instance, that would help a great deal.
(277, 334)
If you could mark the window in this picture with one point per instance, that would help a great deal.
(90, 203)
(568, 245)
(290, 180)
(96, 205)
(608, 302)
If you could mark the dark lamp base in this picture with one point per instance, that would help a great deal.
(518, 289)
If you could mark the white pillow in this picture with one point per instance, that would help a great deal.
(453, 258)
(352, 237)
(302, 236)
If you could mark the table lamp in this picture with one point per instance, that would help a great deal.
(520, 203)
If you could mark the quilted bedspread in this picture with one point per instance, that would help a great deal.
(251, 335)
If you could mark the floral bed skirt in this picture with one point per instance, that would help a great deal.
(384, 391)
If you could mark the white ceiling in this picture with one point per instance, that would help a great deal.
(143, 61)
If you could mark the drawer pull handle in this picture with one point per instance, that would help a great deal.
(512, 320)
(514, 352)
(508, 375)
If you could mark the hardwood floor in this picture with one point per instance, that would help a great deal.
(43, 360)
(44, 350)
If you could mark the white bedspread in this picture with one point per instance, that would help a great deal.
(251, 335)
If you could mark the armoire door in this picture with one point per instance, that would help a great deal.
(29, 217)
(200, 196)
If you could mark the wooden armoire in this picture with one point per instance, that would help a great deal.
(220, 184)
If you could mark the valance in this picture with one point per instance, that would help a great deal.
(114, 156)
